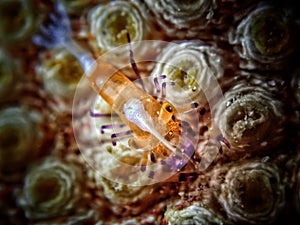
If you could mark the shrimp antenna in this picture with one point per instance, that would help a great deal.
(132, 61)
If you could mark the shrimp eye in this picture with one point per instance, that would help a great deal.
(169, 108)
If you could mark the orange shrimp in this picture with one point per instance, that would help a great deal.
(153, 123)
(146, 117)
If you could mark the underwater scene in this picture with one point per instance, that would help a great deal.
(141, 112)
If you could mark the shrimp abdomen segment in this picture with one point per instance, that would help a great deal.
(107, 81)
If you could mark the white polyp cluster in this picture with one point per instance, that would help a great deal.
(252, 193)
(264, 37)
(182, 18)
(247, 116)
(110, 23)
(60, 73)
(193, 214)
(122, 194)
(193, 66)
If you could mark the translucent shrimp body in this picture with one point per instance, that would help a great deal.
(135, 112)
(150, 116)
(140, 111)
(156, 126)
(155, 123)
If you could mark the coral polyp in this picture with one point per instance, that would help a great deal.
(8, 75)
(190, 65)
(247, 117)
(20, 138)
(60, 73)
(182, 18)
(51, 188)
(253, 193)
(264, 36)
(109, 23)
(125, 197)
(18, 22)
(193, 214)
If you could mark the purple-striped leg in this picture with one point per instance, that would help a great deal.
(119, 135)
(99, 115)
(110, 127)
(133, 63)
(105, 127)
(161, 90)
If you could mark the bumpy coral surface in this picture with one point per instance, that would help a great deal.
(197, 121)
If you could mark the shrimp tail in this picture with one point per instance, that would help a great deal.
(58, 34)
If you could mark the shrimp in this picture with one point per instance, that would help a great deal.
(154, 123)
